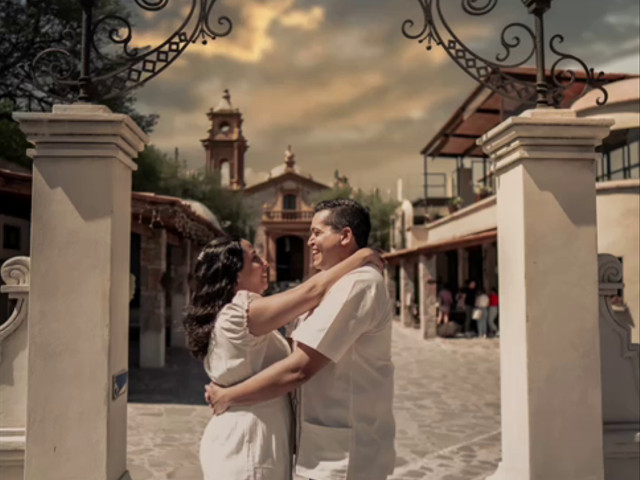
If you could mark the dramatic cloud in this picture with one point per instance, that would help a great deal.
(337, 80)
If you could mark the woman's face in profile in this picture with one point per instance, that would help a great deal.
(254, 275)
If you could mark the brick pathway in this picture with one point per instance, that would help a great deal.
(446, 406)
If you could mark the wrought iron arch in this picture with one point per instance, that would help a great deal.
(547, 90)
(52, 71)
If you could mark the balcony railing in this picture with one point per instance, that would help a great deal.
(287, 215)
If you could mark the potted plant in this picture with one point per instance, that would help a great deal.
(483, 191)
(454, 204)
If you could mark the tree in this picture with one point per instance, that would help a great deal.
(380, 209)
(13, 143)
(28, 27)
(159, 173)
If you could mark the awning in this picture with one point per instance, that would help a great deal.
(444, 246)
(484, 109)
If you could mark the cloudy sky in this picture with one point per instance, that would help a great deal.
(338, 81)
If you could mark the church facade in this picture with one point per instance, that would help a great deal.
(282, 203)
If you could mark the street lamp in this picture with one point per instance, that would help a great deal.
(492, 74)
(53, 70)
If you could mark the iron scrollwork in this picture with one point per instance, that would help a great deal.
(101, 74)
(515, 37)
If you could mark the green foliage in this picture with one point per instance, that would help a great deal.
(380, 209)
(13, 144)
(27, 29)
(159, 173)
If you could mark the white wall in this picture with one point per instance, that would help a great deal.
(618, 204)
(479, 217)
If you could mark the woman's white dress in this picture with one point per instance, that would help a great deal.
(251, 442)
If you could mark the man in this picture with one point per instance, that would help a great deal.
(342, 360)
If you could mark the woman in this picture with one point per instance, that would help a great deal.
(231, 327)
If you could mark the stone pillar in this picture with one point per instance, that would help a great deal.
(391, 284)
(550, 351)
(407, 292)
(463, 267)
(79, 300)
(489, 263)
(180, 268)
(428, 295)
(153, 265)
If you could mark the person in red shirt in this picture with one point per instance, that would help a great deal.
(494, 301)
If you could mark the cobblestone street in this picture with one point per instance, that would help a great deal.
(446, 407)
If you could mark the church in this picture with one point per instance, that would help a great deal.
(283, 202)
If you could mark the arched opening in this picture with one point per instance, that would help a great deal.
(225, 128)
(289, 259)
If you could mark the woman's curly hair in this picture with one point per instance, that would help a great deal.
(216, 279)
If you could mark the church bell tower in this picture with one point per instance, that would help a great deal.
(226, 145)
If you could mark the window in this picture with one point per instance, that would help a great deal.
(11, 237)
(622, 162)
(289, 202)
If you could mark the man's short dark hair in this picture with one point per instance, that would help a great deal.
(348, 213)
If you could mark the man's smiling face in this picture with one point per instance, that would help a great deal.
(324, 241)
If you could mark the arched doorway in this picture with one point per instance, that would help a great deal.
(289, 258)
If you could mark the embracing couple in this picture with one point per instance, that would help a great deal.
(339, 373)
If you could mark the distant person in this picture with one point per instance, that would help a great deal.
(494, 303)
(481, 313)
(445, 302)
(469, 293)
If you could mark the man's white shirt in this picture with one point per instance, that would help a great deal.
(346, 426)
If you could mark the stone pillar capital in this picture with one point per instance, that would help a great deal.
(544, 134)
(82, 131)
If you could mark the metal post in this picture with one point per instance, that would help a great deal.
(85, 62)
(542, 88)
(426, 179)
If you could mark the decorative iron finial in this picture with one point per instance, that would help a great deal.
(289, 158)
(59, 75)
(492, 74)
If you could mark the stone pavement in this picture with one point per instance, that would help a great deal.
(447, 409)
